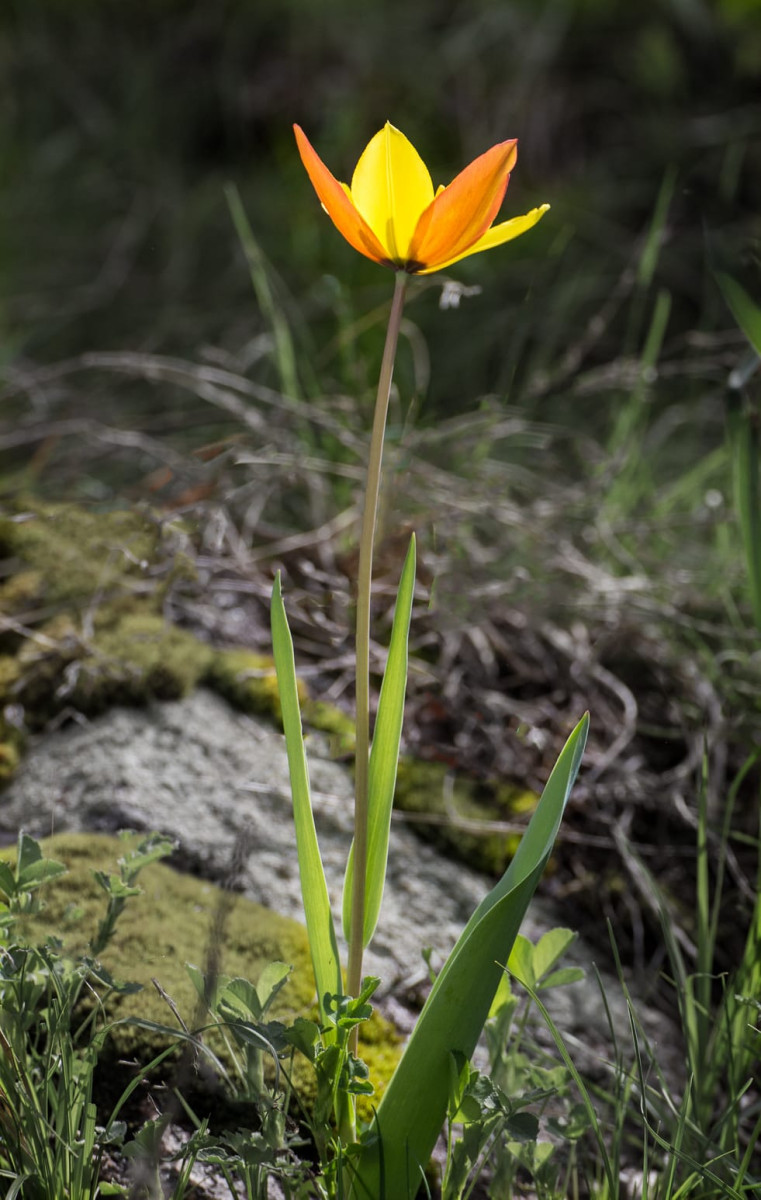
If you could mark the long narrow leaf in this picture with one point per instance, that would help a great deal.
(412, 1111)
(314, 890)
(384, 759)
(744, 440)
(746, 456)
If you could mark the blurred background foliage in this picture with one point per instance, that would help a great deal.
(639, 120)
(120, 122)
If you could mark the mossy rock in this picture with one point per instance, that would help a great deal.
(430, 788)
(174, 921)
(328, 719)
(83, 592)
(82, 585)
(178, 919)
(68, 555)
(248, 681)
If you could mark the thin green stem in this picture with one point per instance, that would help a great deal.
(364, 581)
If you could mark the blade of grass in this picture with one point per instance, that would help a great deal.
(705, 958)
(656, 233)
(384, 759)
(743, 437)
(743, 309)
(285, 356)
(314, 890)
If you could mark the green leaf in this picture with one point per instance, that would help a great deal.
(561, 978)
(384, 759)
(305, 1036)
(28, 852)
(150, 850)
(523, 1127)
(550, 948)
(412, 1110)
(208, 990)
(532, 965)
(272, 979)
(115, 887)
(502, 996)
(7, 881)
(40, 872)
(459, 1078)
(521, 961)
(240, 996)
(314, 890)
(745, 312)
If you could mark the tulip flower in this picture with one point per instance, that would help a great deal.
(392, 215)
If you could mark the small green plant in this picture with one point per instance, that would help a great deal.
(239, 1014)
(53, 1027)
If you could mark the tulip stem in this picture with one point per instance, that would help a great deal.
(364, 583)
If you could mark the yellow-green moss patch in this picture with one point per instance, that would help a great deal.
(22, 591)
(173, 922)
(332, 721)
(248, 681)
(140, 656)
(73, 554)
(431, 789)
(170, 924)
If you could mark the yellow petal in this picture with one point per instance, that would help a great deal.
(337, 202)
(504, 232)
(391, 187)
(464, 210)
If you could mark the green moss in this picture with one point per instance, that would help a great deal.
(9, 759)
(141, 656)
(21, 591)
(248, 681)
(130, 658)
(96, 581)
(173, 922)
(170, 924)
(75, 554)
(430, 788)
(331, 720)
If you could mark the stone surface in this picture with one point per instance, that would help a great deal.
(218, 782)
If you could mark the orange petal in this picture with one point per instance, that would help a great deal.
(457, 217)
(338, 204)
